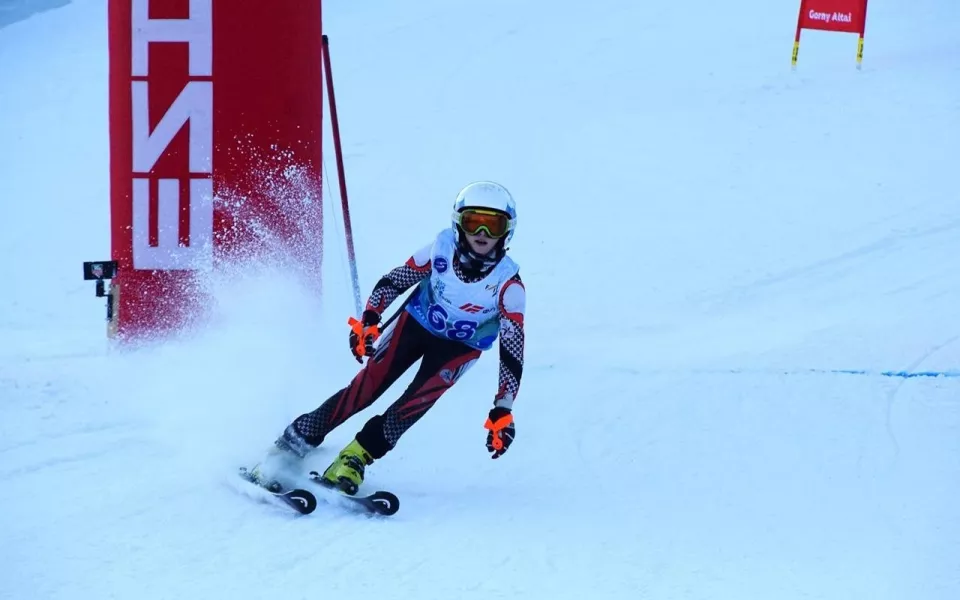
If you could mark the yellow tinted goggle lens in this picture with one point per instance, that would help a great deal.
(495, 224)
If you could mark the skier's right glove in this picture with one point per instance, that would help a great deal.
(363, 334)
(500, 430)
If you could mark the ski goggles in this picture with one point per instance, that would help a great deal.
(473, 220)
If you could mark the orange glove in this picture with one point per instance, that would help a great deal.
(363, 334)
(500, 430)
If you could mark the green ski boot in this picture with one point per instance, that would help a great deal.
(346, 472)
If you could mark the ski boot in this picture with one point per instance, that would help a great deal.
(280, 468)
(346, 472)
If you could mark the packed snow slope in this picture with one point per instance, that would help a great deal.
(722, 259)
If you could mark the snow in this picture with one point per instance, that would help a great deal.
(722, 258)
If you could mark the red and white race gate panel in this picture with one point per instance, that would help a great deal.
(209, 100)
(845, 16)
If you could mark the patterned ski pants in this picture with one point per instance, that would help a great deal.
(402, 343)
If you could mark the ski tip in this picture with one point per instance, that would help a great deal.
(302, 501)
(384, 503)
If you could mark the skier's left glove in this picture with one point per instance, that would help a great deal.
(500, 430)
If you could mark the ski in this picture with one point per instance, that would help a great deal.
(300, 500)
(379, 503)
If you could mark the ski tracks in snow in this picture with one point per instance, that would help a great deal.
(892, 394)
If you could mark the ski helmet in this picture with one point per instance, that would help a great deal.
(486, 195)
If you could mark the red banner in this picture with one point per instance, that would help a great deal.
(215, 113)
(845, 16)
(833, 15)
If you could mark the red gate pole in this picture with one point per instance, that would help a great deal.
(796, 39)
(347, 228)
(863, 31)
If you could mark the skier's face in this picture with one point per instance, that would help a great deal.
(481, 243)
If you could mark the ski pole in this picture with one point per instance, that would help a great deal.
(335, 123)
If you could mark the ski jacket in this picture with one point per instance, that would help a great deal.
(474, 310)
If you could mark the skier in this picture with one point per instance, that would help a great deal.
(469, 293)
